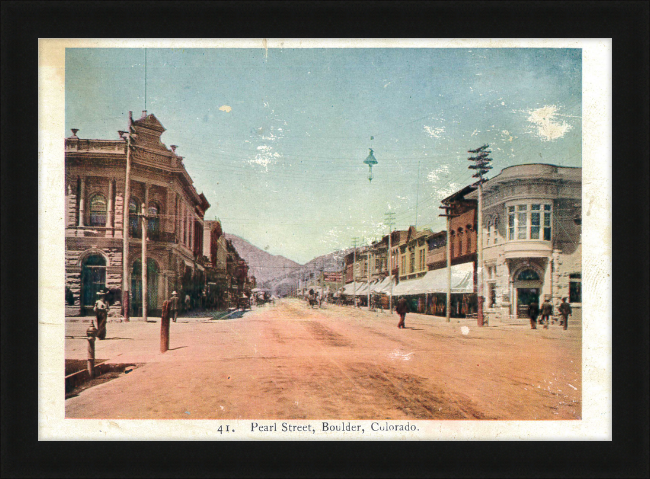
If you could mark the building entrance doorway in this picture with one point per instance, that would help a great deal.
(136, 287)
(93, 280)
(525, 296)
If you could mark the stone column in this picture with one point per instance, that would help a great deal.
(207, 238)
(187, 226)
(182, 218)
(177, 223)
(82, 200)
(68, 192)
(109, 216)
(146, 197)
(547, 288)
(191, 231)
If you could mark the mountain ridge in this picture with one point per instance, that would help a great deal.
(279, 273)
(263, 265)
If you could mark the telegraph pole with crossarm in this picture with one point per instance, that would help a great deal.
(481, 164)
(449, 216)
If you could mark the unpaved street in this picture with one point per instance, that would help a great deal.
(291, 362)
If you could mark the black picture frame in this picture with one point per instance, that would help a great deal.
(24, 22)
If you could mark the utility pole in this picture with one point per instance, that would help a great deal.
(369, 259)
(482, 166)
(390, 221)
(449, 216)
(417, 196)
(354, 269)
(130, 135)
(144, 262)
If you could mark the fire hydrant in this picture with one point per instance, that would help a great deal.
(91, 333)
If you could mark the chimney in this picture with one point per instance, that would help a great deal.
(144, 113)
(173, 147)
(74, 132)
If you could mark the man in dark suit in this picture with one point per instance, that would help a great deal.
(565, 311)
(174, 306)
(402, 308)
(533, 312)
(547, 312)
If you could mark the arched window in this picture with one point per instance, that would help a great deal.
(135, 226)
(528, 275)
(153, 230)
(98, 210)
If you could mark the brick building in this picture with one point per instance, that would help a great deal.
(462, 232)
(436, 256)
(95, 174)
(413, 252)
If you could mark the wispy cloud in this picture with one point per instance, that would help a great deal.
(434, 132)
(547, 125)
(265, 157)
(435, 175)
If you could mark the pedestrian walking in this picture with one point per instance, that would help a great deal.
(187, 302)
(533, 312)
(101, 314)
(69, 296)
(402, 308)
(565, 311)
(174, 306)
(547, 312)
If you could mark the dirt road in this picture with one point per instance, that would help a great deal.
(291, 362)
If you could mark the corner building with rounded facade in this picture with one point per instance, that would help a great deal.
(95, 175)
(532, 246)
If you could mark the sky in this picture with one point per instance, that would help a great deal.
(275, 138)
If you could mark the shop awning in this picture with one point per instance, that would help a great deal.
(349, 288)
(383, 287)
(362, 289)
(436, 281)
(408, 286)
(462, 279)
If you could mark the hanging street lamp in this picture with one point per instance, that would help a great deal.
(371, 160)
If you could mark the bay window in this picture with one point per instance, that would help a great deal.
(529, 221)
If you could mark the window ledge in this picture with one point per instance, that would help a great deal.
(527, 248)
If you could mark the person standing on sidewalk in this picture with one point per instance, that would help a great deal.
(101, 314)
(547, 312)
(174, 306)
(402, 308)
(533, 312)
(565, 311)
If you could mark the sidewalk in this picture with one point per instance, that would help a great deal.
(136, 341)
(422, 319)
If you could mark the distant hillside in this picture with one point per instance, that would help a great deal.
(263, 266)
(332, 262)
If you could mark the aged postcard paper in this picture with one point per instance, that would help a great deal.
(263, 239)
